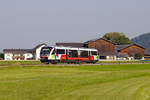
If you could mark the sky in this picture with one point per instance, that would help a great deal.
(27, 23)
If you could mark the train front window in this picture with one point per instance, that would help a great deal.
(45, 51)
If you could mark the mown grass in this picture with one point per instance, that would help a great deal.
(34, 62)
(105, 82)
(125, 61)
(19, 63)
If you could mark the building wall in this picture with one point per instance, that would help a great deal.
(102, 45)
(28, 56)
(132, 50)
(37, 54)
(8, 56)
(147, 57)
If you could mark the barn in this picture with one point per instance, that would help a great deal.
(131, 50)
(110, 51)
(106, 48)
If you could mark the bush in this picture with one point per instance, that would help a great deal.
(1, 56)
(138, 56)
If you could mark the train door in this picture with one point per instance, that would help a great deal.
(94, 55)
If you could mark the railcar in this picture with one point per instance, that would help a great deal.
(57, 54)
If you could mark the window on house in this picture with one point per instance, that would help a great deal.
(84, 54)
(17, 55)
(8, 59)
(73, 53)
(102, 57)
(93, 53)
(60, 51)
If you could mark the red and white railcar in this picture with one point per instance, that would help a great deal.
(68, 54)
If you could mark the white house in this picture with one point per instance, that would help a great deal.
(36, 51)
(23, 54)
(17, 54)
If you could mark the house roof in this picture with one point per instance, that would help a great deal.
(87, 42)
(120, 47)
(17, 51)
(38, 46)
(22, 51)
(70, 44)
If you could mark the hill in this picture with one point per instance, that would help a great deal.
(143, 40)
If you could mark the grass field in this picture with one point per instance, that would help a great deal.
(107, 82)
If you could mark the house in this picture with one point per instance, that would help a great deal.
(106, 48)
(101, 44)
(23, 54)
(131, 50)
(147, 55)
(110, 51)
(36, 51)
(122, 56)
(108, 56)
(17, 54)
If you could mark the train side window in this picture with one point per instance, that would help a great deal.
(73, 53)
(93, 53)
(84, 54)
(60, 51)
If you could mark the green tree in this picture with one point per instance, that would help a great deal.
(2, 55)
(138, 56)
(117, 38)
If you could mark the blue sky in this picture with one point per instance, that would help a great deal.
(26, 23)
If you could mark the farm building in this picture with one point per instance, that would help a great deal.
(23, 54)
(147, 55)
(101, 45)
(106, 48)
(131, 50)
(110, 51)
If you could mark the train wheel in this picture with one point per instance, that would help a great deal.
(54, 62)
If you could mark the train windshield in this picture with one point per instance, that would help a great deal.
(45, 51)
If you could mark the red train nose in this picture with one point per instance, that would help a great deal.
(43, 56)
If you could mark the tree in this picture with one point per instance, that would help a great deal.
(138, 56)
(117, 38)
(1, 55)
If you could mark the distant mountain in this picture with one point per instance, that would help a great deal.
(143, 40)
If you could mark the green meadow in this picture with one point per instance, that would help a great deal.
(20, 81)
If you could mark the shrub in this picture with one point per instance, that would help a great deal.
(138, 56)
